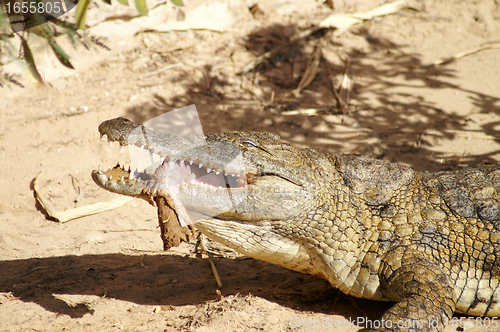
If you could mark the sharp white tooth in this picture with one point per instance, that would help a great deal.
(217, 172)
(171, 165)
(122, 179)
(142, 146)
(131, 176)
(209, 170)
(200, 165)
(190, 162)
(151, 157)
(121, 148)
(162, 160)
(99, 168)
(110, 143)
(193, 181)
(225, 174)
(181, 162)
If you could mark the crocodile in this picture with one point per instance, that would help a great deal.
(430, 242)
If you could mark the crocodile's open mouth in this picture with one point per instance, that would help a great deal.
(168, 178)
(169, 173)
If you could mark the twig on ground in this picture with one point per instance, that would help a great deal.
(461, 55)
(78, 212)
(161, 70)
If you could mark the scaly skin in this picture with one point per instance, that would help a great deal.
(373, 229)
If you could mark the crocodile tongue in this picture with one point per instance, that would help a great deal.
(167, 179)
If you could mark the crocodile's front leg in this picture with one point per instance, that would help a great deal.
(423, 290)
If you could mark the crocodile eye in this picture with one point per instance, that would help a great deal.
(249, 144)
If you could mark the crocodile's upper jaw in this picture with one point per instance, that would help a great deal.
(220, 175)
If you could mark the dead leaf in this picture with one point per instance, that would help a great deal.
(311, 69)
(343, 21)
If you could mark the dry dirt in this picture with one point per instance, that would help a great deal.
(108, 272)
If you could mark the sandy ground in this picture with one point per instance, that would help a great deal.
(108, 272)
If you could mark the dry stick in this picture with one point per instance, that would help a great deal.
(211, 260)
(161, 70)
(345, 84)
(309, 111)
(340, 102)
(175, 48)
(83, 211)
(461, 55)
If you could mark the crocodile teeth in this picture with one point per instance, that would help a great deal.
(190, 162)
(200, 165)
(131, 175)
(171, 165)
(217, 172)
(121, 148)
(209, 170)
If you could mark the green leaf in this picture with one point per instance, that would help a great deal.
(4, 20)
(63, 24)
(179, 3)
(81, 13)
(123, 2)
(60, 54)
(141, 7)
(30, 62)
